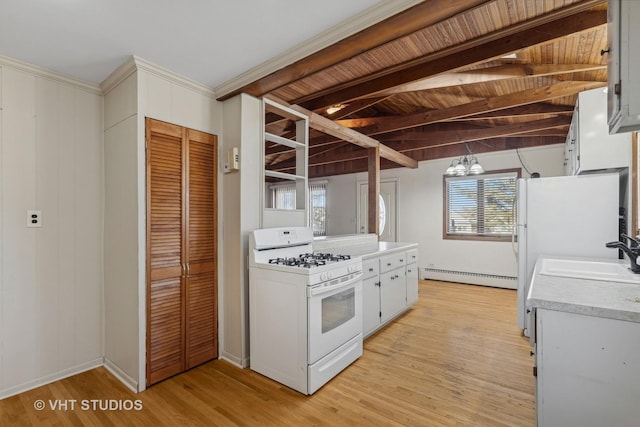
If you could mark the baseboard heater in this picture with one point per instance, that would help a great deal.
(471, 278)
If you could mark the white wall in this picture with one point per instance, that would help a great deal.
(121, 246)
(241, 214)
(50, 277)
(420, 209)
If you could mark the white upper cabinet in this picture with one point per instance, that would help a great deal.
(589, 146)
(623, 65)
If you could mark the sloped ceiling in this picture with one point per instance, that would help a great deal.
(444, 78)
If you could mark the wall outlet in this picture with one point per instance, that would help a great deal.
(34, 219)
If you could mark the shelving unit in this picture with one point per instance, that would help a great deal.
(298, 174)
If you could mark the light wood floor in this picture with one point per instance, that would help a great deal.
(455, 359)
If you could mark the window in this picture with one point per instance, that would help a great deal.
(480, 207)
(318, 208)
(284, 197)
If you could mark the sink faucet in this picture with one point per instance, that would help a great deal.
(632, 251)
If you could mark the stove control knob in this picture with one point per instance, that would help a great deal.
(323, 277)
(330, 275)
(351, 268)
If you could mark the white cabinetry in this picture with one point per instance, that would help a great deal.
(589, 146)
(412, 276)
(393, 285)
(390, 286)
(370, 295)
(587, 370)
(570, 146)
(623, 65)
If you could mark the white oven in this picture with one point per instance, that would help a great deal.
(335, 314)
(305, 309)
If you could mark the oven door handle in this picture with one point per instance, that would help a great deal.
(319, 290)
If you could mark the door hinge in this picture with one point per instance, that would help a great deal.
(535, 371)
(617, 88)
(380, 314)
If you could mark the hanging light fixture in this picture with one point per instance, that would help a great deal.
(465, 165)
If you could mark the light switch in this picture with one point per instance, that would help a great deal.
(34, 219)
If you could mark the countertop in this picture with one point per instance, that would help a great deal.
(612, 300)
(362, 245)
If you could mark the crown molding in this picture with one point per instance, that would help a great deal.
(119, 75)
(353, 25)
(6, 61)
(135, 63)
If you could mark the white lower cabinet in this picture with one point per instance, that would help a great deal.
(393, 293)
(412, 283)
(390, 286)
(370, 304)
(587, 370)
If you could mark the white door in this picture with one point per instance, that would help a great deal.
(388, 227)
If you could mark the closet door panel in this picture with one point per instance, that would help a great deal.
(201, 320)
(166, 357)
(202, 330)
(166, 282)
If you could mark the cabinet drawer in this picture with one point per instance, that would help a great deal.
(412, 256)
(370, 268)
(392, 261)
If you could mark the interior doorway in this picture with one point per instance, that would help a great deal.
(388, 209)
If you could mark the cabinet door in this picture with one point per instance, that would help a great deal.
(393, 293)
(200, 247)
(370, 304)
(412, 284)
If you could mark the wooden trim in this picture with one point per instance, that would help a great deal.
(476, 237)
(148, 124)
(373, 207)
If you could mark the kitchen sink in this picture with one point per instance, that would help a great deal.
(592, 270)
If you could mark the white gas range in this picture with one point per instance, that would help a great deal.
(305, 309)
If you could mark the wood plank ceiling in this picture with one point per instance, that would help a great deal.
(445, 77)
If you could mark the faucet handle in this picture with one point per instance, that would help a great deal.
(632, 241)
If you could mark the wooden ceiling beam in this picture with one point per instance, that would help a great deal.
(427, 133)
(520, 112)
(334, 129)
(439, 138)
(492, 74)
(356, 106)
(380, 125)
(558, 23)
(400, 25)
(447, 151)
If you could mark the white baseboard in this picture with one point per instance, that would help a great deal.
(29, 385)
(125, 379)
(234, 360)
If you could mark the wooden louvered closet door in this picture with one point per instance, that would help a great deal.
(181, 249)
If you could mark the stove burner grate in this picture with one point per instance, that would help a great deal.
(309, 260)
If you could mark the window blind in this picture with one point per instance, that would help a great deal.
(480, 206)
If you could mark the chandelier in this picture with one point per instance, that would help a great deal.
(465, 165)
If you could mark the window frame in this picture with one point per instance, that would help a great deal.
(473, 237)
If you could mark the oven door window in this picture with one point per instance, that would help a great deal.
(338, 309)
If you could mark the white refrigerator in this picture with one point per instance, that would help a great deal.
(564, 216)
